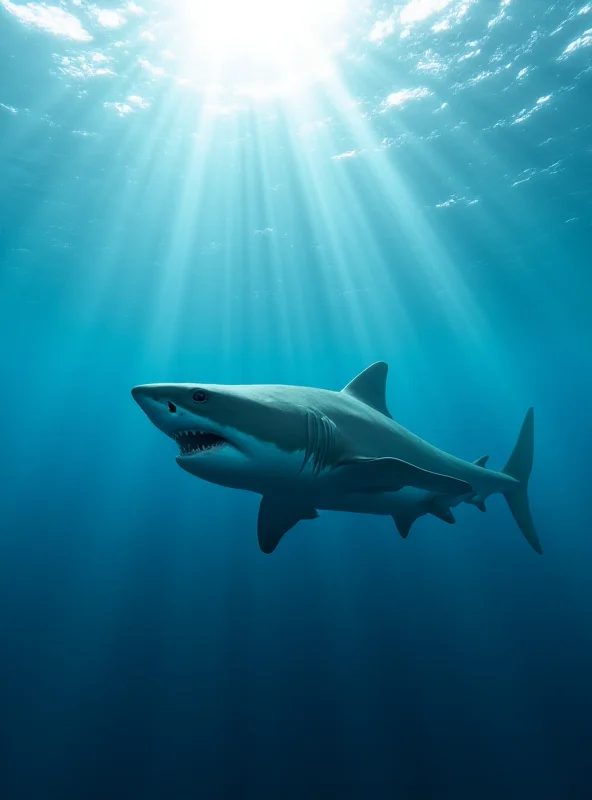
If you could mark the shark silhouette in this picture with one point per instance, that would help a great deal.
(305, 449)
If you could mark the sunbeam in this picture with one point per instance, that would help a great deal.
(258, 48)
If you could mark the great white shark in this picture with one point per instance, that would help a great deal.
(305, 449)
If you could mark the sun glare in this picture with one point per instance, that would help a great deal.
(256, 46)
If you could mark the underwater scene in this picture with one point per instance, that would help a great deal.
(296, 369)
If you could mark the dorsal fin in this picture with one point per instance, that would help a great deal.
(370, 387)
(481, 462)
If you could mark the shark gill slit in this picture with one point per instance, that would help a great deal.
(306, 458)
(312, 440)
(328, 439)
(319, 439)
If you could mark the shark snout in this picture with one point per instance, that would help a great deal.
(139, 393)
(148, 392)
(156, 393)
(166, 406)
(158, 403)
(148, 396)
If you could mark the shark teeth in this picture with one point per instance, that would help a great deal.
(191, 442)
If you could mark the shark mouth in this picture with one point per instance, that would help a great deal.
(192, 442)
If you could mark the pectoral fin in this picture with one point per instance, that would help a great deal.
(391, 475)
(276, 516)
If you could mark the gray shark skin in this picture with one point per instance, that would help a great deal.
(306, 449)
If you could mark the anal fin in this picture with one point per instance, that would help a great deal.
(276, 516)
(478, 502)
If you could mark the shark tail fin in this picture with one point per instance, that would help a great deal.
(519, 467)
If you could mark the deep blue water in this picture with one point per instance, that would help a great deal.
(428, 204)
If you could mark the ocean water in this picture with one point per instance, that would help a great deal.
(251, 193)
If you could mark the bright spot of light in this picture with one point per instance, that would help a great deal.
(109, 19)
(51, 19)
(255, 45)
(139, 101)
(397, 99)
(418, 10)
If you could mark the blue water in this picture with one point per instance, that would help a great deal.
(428, 203)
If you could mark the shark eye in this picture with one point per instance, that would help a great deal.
(199, 396)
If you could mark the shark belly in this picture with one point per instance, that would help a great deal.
(379, 503)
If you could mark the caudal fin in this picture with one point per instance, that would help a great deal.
(519, 467)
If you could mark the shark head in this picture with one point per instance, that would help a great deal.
(231, 435)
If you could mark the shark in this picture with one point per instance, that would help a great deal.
(306, 449)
